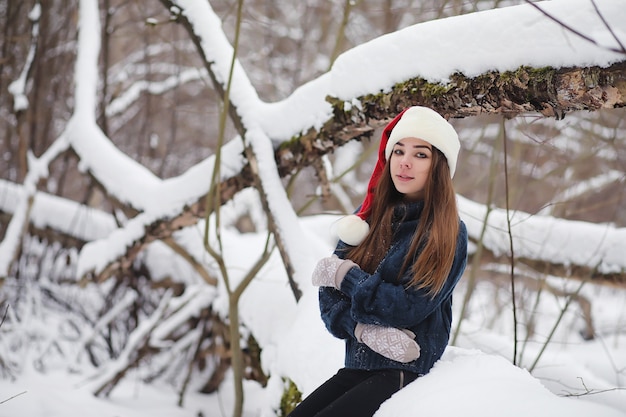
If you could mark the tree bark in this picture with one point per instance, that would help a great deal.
(553, 93)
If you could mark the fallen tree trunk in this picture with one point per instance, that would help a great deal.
(550, 92)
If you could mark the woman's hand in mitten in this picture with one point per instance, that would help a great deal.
(329, 272)
(395, 344)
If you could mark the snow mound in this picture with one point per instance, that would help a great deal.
(468, 382)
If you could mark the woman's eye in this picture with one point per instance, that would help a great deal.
(421, 155)
(398, 152)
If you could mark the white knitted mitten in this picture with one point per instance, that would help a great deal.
(395, 344)
(329, 272)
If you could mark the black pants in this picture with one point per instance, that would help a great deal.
(353, 392)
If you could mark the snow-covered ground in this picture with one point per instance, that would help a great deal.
(475, 377)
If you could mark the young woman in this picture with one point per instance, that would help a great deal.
(387, 289)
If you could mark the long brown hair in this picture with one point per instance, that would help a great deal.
(435, 237)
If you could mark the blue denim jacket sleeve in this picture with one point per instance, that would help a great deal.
(376, 301)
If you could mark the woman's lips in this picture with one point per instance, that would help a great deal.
(404, 178)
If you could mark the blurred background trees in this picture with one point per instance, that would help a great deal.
(156, 103)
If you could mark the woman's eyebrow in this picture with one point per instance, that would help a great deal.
(416, 146)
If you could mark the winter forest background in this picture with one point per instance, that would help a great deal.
(154, 263)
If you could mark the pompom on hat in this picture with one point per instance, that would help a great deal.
(413, 122)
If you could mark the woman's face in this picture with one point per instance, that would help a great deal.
(409, 165)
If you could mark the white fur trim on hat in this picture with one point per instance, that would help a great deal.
(426, 124)
(352, 229)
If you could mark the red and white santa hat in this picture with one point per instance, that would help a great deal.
(413, 122)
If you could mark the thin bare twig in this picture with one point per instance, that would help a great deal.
(4, 316)
(592, 391)
(511, 246)
(569, 301)
(621, 50)
(608, 27)
(10, 398)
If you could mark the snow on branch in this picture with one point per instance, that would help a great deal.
(550, 240)
(105, 380)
